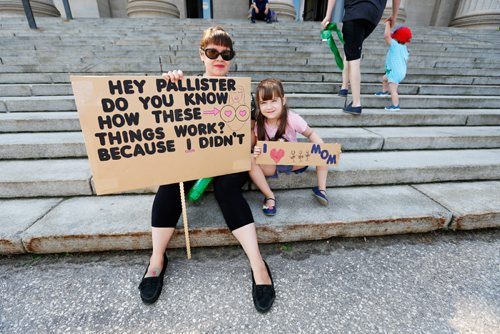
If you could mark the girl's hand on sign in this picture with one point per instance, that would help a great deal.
(175, 75)
(256, 151)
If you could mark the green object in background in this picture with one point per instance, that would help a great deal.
(198, 189)
(327, 35)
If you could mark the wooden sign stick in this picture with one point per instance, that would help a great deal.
(185, 220)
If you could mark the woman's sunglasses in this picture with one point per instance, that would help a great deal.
(214, 54)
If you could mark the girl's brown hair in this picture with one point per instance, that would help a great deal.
(216, 35)
(267, 90)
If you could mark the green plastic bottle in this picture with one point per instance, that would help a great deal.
(198, 189)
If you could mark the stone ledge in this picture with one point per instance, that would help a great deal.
(18, 215)
(85, 224)
(474, 205)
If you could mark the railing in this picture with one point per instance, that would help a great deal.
(31, 18)
(29, 14)
(67, 9)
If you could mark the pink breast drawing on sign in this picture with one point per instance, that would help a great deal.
(227, 113)
(276, 155)
(242, 113)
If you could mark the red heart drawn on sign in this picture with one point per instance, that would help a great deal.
(276, 155)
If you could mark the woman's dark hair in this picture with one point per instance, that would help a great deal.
(269, 89)
(217, 36)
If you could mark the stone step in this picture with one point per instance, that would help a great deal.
(71, 177)
(35, 178)
(68, 121)
(45, 64)
(321, 53)
(71, 144)
(404, 89)
(240, 31)
(39, 145)
(38, 122)
(37, 103)
(160, 24)
(416, 66)
(236, 27)
(411, 138)
(65, 103)
(406, 101)
(8, 90)
(182, 46)
(405, 167)
(405, 117)
(47, 89)
(123, 222)
(149, 37)
(152, 66)
(419, 79)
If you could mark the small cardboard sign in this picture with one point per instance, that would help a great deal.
(143, 131)
(298, 154)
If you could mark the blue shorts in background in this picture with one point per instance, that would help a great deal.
(286, 169)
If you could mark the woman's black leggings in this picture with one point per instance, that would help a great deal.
(167, 204)
(355, 32)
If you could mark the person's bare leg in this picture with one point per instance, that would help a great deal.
(345, 75)
(385, 84)
(393, 89)
(258, 175)
(322, 174)
(160, 237)
(247, 236)
(355, 80)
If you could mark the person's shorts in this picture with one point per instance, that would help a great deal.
(394, 76)
(355, 32)
(286, 169)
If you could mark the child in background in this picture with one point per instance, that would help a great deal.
(395, 63)
(275, 122)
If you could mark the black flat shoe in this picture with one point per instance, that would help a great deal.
(150, 287)
(263, 295)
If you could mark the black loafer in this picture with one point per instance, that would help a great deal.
(263, 295)
(352, 110)
(150, 287)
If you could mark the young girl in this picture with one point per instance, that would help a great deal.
(275, 122)
(395, 64)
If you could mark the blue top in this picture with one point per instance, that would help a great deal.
(261, 4)
(396, 59)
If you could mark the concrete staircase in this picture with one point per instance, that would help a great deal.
(433, 165)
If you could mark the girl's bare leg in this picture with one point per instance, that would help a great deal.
(385, 84)
(258, 175)
(393, 89)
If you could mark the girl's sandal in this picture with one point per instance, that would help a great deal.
(269, 210)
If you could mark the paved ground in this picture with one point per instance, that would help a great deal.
(443, 282)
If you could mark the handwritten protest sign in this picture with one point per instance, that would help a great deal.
(143, 131)
(298, 154)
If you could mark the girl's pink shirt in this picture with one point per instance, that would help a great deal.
(295, 123)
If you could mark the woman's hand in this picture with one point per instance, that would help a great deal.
(325, 22)
(175, 75)
(256, 151)
(391, 21)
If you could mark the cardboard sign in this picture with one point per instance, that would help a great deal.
(144, 131)
(298, 154)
